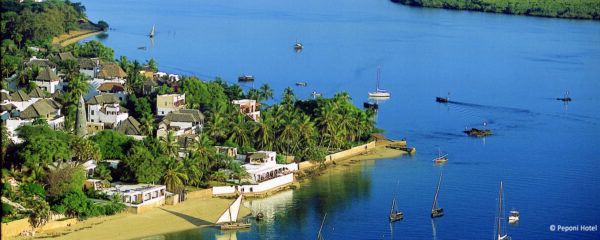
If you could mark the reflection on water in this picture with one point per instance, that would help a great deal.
(269, 206)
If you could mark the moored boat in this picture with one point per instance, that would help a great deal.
(246, 78)
(316, 94)
(440, 159)
(514, 216)
(437, 212)
(301, 84)
(441, 99)
(379, 92)
(395, 215)
(478, 132)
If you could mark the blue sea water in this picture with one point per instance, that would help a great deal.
(503, 70)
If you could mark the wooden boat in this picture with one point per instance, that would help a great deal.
(440, 158)
(371, 105)
(478, 132)
(437, 212)
(320, 236)
(379, 92)
(301, 84)
(228, 219)
(514, 216)
(246, 78)
(259, 216)
(395, 215)
(566, 98)
(441, 99)
(500, 236)
(152, 32)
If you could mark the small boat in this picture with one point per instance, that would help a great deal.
(228, 219)
(371, 105)
(441, 99)
(151, 35)
(379, 92)
(298, 46)
(500, 236)
(514, 216)
(478, 132)
(246, 78)
(301, 84)
(320, 236)
(395, 215)
(260, 216)
(566, 98)
(316, 94)
(142, 48)
(440, 158)
(437, 212)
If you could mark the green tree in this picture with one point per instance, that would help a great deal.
(65, 179)
(174, 176)
(39, 213)
(140, 166)
(266, 92)
(171, 147)
(84, 149)
(113, 144)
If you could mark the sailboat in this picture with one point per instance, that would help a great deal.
(298, 46)
(152, 32)
(379, 92)
(437, 212)
(228, 219)
(500, 236)
(395, 215)
(440, 158)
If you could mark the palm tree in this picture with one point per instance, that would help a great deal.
(147, 124)
(263, 131)
(266, 92)
(170, 144)
(191, 168)
(239, 131)
(78, 86)
(174, 176)
(288, 96)
(305, 131)
(123, 63)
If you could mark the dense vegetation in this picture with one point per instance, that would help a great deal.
(577, 9)
(39, 22)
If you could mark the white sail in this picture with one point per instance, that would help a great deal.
(231, 214)
(152, 32)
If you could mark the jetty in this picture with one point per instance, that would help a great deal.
(478, 132)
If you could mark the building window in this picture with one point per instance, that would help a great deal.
(92, 112)
(92, 120)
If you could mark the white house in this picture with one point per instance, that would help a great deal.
(90, 67)
(169, 102)
(182, 121)
(140, 194)
(248, 107)
(105, 108)
(47, 80)
(115, 88)
(262, 166)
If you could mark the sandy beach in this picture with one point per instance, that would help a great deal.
(193, 213)
(73, 36)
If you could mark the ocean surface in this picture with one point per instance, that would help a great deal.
(504, 71)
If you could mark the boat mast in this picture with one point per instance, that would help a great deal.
(436, 193)
(499, 210)
(378, 69)
(320, 237)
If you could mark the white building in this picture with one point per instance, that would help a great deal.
(105, 108)
(168, 103)
(47, 80)
(139, 194)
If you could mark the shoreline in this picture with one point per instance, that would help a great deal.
(197, 212)
(70, 38)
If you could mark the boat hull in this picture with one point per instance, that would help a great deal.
(440, 160)
(437, 213)
(379, 94)
(441, 99)
(235, 226)
(396, 216)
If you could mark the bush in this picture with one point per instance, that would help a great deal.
(7, 209)
(246, 149)
(113, 208)
(60, 209)
(33, 189)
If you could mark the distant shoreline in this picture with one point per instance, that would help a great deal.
(566, 9)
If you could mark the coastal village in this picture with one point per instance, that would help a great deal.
(86, 135)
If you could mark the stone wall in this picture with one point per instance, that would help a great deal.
(341, 155)
(15, 228)
(147, 206)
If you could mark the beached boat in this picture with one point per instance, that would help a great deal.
(246, 78)
(514, 216)
(228, 219)
(301, 84)
(320, 236)
(151, 32)
(395, 215)
(440, 158)
(437, 212)
(379, 92)
(478, 132)
(500, 236)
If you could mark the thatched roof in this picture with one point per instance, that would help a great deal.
(42, 63)
(44, 107)
(7, 107)
(47, 75)
(197, 114)
(112, 71)
(184, 115)
(121, 109)
(20, 96)
(130, 127)
(6, 96)
(88, 63)
(111, 87)
(65, 56)
(37, 93)
(106, 98)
